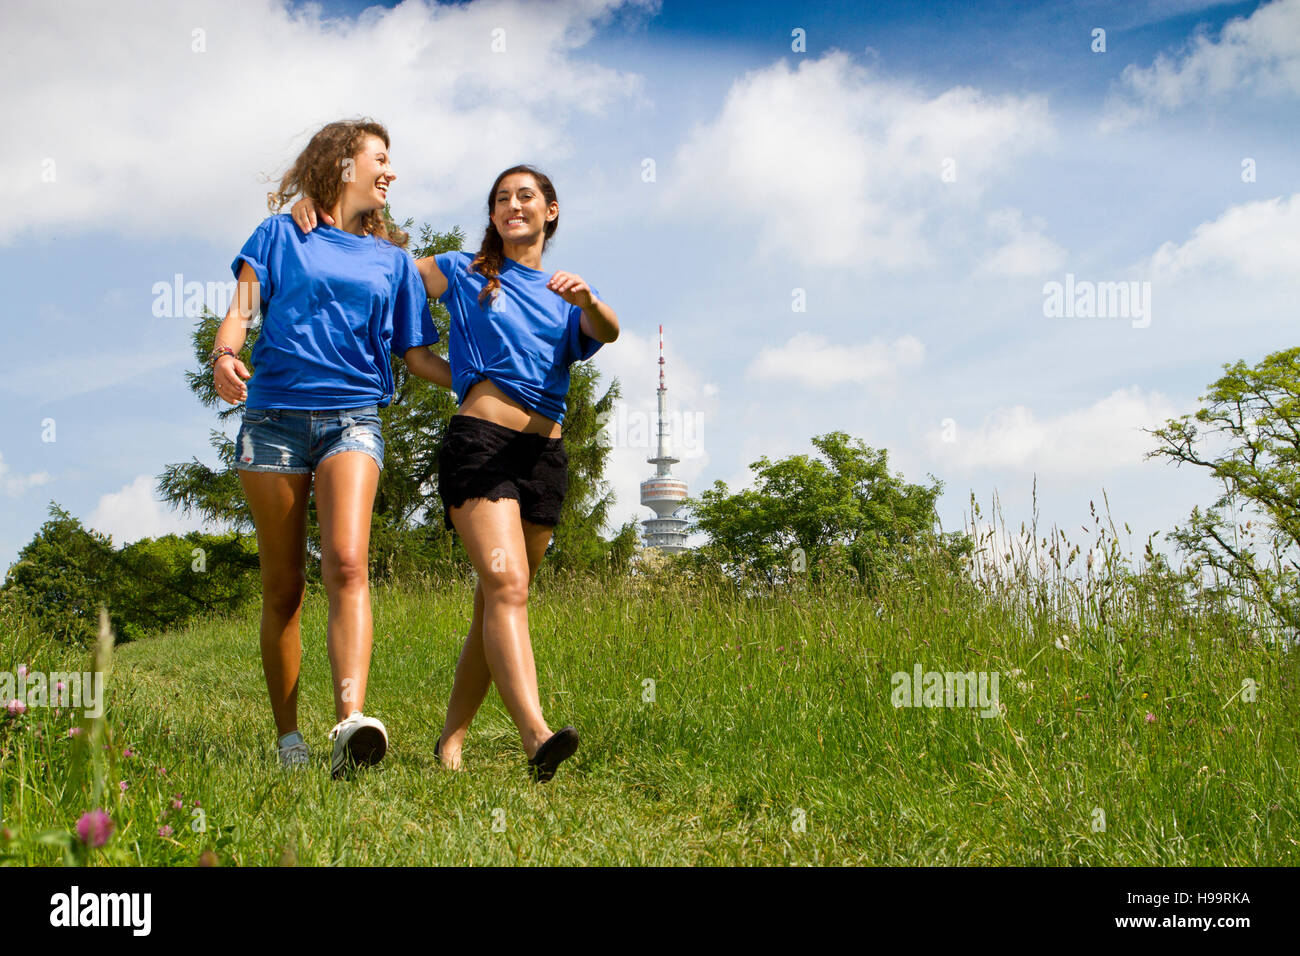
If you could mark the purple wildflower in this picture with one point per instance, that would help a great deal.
(94, 828)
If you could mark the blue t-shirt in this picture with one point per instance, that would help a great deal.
(334, 305)
(524, 342)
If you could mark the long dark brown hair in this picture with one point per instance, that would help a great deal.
(492, 253)
(318, 173)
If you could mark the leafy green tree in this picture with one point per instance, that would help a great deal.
(60, 579)
(578, 542)
(1247, 438)
(814, 518)
(66, 571)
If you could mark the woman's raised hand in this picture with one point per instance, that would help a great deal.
(571, 288)
(229, 378)
(305, 213)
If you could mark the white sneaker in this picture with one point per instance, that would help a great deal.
(358, 739)
(293, 751)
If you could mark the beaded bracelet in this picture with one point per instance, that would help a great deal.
(218, 352)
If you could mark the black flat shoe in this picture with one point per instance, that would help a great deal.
(557, 749)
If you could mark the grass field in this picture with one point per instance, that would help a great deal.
(768, 736)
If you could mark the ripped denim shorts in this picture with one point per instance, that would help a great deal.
(295, 441)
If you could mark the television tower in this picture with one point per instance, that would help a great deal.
(663, 493)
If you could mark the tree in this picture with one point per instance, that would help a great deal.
(66, 571)
(60, 579)
(809, 515)
(578, 544)
(1247, 437)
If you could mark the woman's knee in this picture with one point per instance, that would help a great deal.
(507, 584)
(344, 569)
(282, 592)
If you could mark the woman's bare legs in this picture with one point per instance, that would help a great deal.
(279, 505)
(345, 496)
(506, 551)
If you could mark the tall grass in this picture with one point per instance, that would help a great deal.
(718, 727)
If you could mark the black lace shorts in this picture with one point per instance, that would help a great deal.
(481, 459)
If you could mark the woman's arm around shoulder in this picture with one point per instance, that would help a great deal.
(435, 283)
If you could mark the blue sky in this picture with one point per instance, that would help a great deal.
(919, 172)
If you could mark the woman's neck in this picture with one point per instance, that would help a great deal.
(526, 254)
(347, 218)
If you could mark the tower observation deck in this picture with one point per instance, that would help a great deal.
(662, 493)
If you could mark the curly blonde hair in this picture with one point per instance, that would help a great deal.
(317, 173)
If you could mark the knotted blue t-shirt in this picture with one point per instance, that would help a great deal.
(524, 341)
(334, 305)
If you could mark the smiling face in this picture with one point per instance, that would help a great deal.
(371, 176)
(520, 211)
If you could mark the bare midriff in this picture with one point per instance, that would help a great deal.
(488, 402)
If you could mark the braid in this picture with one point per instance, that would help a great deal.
(488, 262)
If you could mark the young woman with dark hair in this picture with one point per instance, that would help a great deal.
(503, 469)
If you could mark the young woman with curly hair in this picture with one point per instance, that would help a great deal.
(335, 302)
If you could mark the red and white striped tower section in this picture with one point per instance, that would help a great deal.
(663, 493)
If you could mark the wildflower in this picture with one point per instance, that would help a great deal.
(22, 670)
(74, 731)
(1151, 718)
(59, 685)
(16, 707)
(121, 785)
(128, 752)
(94, 828)
(165, 830)
(178, 804)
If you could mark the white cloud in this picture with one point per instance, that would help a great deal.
(14, 485)
(1258, 240)
(833, 166)
(1134, 13)
(147, 136)
(1105, 436)
(813, 361)
(134, 513)
(1025, 251)
(1258, 55)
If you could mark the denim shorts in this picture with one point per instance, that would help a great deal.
(481, 459)
(295, 441)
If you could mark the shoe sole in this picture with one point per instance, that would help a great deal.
(562, 745)
(366, 746)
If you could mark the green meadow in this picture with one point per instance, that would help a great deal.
(718, 728)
